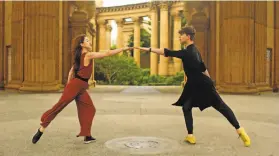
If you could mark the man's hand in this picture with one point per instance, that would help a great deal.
(142, 48)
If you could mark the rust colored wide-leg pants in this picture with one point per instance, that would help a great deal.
(75, 90)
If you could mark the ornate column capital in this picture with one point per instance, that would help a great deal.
(90, 8)
(101, 22)
(176, 14)
(200, 21)
(81, 5)
(153, 6)
(108, 28)
(119, 22)
(79, 16)
(196, 7)
(164, 6)
(136, 20)
(72, 8)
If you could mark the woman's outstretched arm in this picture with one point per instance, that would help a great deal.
(94, 55)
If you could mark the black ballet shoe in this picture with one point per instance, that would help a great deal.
(89, 139)
(37, 137)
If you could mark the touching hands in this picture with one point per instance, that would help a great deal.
(127, 48)
(142, 48)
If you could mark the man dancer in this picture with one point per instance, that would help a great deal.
(199, 91)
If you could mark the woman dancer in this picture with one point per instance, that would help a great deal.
(76, 89)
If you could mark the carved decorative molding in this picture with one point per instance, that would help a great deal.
(176, 13)
(72, 8)
(91, 7)
(164, 5)
(200, 21)
(86, 6)
(153, 5)
(79, 16)
(196, 6)
(123, 7)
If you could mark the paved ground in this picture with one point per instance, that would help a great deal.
(137, 111)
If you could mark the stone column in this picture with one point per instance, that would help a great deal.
(2, 44)
(41, 46)
(154, 40)
(198, 18)
(66, 65)
(95, 40)
(176, 42)
(201, 24)
(276, 47)
(119, 34)
(164, 37)
(237, 47)
(108, 36)
(92, 82)
(92, 79)
(137, 40)
(15, 52)
(102, 36)
(91, 31)
(8, 8)
(61, 41)
(81, 24)
(127, 32)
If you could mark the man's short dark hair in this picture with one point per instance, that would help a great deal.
(188, 30)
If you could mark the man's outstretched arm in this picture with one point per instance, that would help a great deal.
(154, 50)
(164, 51)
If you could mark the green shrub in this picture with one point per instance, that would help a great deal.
(117, 70)
(122, 70)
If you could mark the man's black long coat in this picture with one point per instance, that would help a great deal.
(199, 91)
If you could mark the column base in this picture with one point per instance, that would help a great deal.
(275, 88)
(1, 85)
(263, 88)
(40, 87)
(239, 89)
(14, 84)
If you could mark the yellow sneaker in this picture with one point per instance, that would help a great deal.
(190, 139)
(244, 137)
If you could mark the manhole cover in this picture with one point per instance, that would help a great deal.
(142, 145)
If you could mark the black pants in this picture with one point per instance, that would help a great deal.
(222, 108)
